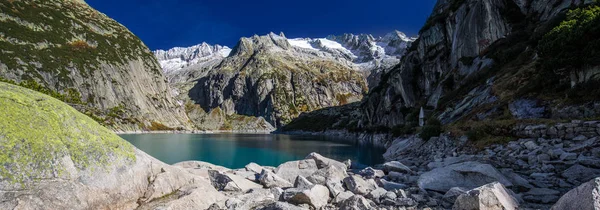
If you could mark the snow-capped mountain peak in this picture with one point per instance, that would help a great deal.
(181, 57)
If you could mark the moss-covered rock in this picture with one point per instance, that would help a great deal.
(54, 157)
(36, 131)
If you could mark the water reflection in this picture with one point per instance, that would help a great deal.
(237, 150)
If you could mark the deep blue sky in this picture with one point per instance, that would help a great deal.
(163, 24)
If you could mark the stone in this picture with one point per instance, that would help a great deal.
(584, 197)
(371, 173)
(376, 194)
(254, 168)
(580, 173)
(317, 196)
(277, 193)
(331, 172)
(280, 206)
(493, 196)
(390, 195)
(589, 162)
(389, 185)
(251, 200)
(335, 188)
(302, 183)
(342, 196)
(568, 156)
(453, 193)
(230, 182)
(268, 179)
(467, 175)
(323, 162)
(516, 179)
(289, 170)
(396, 167)
(356, 202)
(358, 185)
(580, 138)
(556, 153)
(406, 202)
(531, 145)
(542, 191)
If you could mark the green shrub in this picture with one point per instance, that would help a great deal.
(575, 43)
(433, 128)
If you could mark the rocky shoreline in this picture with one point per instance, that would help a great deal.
(318, 182)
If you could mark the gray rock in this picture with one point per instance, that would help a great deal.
(342, 196)
(405, 202)
(254, 168)
(371, 173)
(335, 188)
(290, 170)
(568, 156)
(302, 183)
(580, 173)
(356, 202)
(376, 194)
(231, 182)
(317, 196)
(542, 191)
(390, 195)
(396, 167)
(589, 162)
(331, 172)
(516, 179)
(453, 193)
(531, 145)
(467, 175)
(488, 197)
(323, 162)
(280, 206)
(580, 138)
(389, 185)
(358, 185)
(255, 198)
(584, 197)
(555, 153)
(269, 180)
(526, 109)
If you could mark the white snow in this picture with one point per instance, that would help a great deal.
(225, 51)
(331, 44)
(302, 43)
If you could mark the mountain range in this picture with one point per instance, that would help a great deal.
(275, 78)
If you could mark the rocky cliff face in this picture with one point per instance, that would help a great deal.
(469, 54)
(68, 50)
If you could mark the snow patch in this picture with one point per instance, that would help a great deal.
(302, 43)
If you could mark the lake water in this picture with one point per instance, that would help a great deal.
(237, 150)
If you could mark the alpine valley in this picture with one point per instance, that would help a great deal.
(495, 105)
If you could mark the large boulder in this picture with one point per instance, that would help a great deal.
(356, 202)
(289, 170)
(328, 173)
(323, 162)
(467, 175)
(584, 197)
(396, 167)
(358, 185)
(57, 158)
(492, 196)
(270, 180)
(316, 196)
(230, 182)
(251, 200)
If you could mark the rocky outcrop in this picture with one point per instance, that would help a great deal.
(582, 197)
(72, 52)
(491, 196)
(62, 159)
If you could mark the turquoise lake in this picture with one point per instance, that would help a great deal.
(237, 150)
